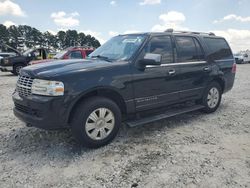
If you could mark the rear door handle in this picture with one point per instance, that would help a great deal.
(171, 72)
(206, 69)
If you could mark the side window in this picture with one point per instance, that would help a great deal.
(188, 49)
(75, 55)
(199, 50)
(161, 45)
(88, 52)
(219, 49)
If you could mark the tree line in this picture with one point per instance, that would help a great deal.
(18, 36)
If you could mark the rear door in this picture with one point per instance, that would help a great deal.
(194, 69)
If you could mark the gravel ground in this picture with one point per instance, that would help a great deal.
(191, 150)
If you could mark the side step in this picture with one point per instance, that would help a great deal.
(167, 114)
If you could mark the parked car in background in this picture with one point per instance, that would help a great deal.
(16, 63)
(7, 54)
(69, 53)
(242, 57)
(135, 78)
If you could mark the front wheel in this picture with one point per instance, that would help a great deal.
(17, 68)
(212, 97)
(96, 122)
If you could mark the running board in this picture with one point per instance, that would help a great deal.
(167, 114)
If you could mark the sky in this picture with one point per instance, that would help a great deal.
(106, 18)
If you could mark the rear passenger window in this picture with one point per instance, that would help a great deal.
(161, 45)
(219, 49)
(199, 51)
(188, 49)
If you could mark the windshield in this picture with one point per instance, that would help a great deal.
(60, 54)
(119, 47)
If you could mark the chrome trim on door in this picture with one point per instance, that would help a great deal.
(182, 63)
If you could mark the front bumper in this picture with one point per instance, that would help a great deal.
(41, 111)
(6, 68)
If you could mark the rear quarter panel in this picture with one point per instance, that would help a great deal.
(221, 68)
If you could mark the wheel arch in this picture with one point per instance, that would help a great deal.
(220, 81)
(107, 92)
(18, 63)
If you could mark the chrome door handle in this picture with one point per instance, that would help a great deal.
(206, 69)
(171, 72)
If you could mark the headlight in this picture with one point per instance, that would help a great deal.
(6, 61)
(47, 87)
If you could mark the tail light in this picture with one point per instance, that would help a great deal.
(234, 68)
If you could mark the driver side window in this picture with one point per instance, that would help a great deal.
(161, 45)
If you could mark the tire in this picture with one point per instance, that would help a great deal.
(212, 97)
(17, 68)
(89, 132)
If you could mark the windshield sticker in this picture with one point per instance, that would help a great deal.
(130, 40)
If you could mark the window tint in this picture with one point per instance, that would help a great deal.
(75, 55)
(218, 48)
(199, 51)
(161, 45)
(188, 49)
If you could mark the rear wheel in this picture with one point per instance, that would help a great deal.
(17, 68)
(212, 97)
(96, 122)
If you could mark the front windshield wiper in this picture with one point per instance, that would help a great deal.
(101, 57)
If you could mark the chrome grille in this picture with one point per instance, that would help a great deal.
(24, 84)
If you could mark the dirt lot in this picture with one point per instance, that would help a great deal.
(191, 150)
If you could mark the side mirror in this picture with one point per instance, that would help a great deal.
(151, 59)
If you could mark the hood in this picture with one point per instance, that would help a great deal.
(60, 67)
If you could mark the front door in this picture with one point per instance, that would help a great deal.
(157, 86)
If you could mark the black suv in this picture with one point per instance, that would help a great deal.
(15, 63)
(134, 78)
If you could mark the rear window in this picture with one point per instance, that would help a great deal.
(219, 48)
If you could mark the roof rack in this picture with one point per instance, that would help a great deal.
(189, 32)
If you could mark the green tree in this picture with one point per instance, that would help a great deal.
(4, 33)
(61, 35)
(33, 38)
(71, 38)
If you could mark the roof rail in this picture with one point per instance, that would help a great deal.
(189, 32)
(83, 47)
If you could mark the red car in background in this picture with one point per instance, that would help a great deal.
(69, 53)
